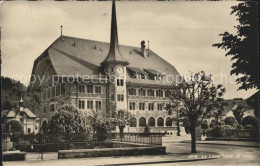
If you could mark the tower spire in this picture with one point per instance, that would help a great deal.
(114, 55)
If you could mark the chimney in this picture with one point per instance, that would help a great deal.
(143, 49)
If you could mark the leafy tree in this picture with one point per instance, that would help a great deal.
(243, 46)
(101, 124)
(14, 126)
(133, 121)
(199, 97)
(230, 121)
(147, 130)
(239, 113)
(122, 118)
(6, 105)
(68, 121)
(44, 127)
(218, 111)
(174, 111)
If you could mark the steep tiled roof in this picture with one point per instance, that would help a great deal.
(72, 56)
(232, 104)
(29, 113)
(12, 113)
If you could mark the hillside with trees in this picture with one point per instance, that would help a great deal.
(11, 92)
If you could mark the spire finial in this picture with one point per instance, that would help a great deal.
(114, 55)
(61, 30)
(21, 100)
(148, 44)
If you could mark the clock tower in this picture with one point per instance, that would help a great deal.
(114, 66)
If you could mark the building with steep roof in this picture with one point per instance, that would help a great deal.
(26, 117)
(106, 76)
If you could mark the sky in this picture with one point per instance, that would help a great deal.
(181, 32)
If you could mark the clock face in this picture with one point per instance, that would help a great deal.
(119, 69)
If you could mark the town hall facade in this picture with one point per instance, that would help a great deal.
(107, 77)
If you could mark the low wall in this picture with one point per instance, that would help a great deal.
(130, 151)
(13, 156)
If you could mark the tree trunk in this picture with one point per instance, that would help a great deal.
(193, 139)
(178, 128)
(121, 131)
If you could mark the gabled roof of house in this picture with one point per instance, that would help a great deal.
(13, 112)
(76, 56)
(4, 113)
(232, 104)
(29, 113)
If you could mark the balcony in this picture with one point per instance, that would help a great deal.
(147, 97)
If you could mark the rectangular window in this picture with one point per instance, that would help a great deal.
(57, 90)
(48, 94)
(82, 104)
(90, 88)
(160, 106)
(150, 92)
(112, 97)
(159, 93)
(167, 93)
(132, 106)
(44, 95)
(63, 88)
(132, 91)
(141, 106)
(52, 107)
(98, 105)
(53, 92)
(44, 110)
(81, 89)
(141, 92)
(120, 97)
(120, 82)
(90, 105)
(29, 130)
(150, 106)
(98, 89)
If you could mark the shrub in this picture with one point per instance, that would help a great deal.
(222, 131)
(146, 130)
(204, 125)
(250, 127)
(16, 137)
(68, 121)
(230, 121)
(14, 126)
(250, 120)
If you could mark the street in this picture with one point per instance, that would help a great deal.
(178, 153)
(232, 155)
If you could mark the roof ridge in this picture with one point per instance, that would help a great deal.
(102, 42)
